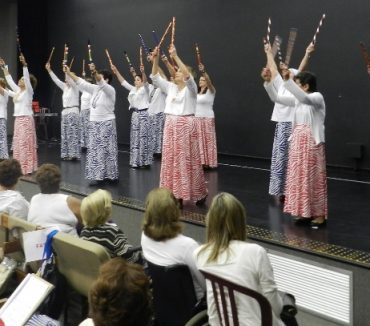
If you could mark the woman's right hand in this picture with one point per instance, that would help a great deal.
(2, 63)
(47, 66)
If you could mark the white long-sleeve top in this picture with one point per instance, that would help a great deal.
(103, 99)
(248, 265)
(85, 101)
(4, 105)
(281, 112)
(22, 99)
(70, 95)
(157, 100)
(178, 102)
(178, 250)
(138, 97)
(204, 107)
(309, 108)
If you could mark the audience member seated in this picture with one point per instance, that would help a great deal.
(120, 296)
(226, 254)
(11, 201)
(51, 208)
(162, 241)
(96, 210)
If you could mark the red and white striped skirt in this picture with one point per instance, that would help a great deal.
(25, 143)
(181, 169)
(207, 141)
(306, 188)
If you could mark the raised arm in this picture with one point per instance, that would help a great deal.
(168, 65)
(8, 77)
(180, 64)
(304, 63)
(26, 75)
(271, 64)
(117, 74)
(207, 78)
(54, 78)
(82, 85)
(314, 99)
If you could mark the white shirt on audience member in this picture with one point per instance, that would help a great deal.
(178, 250)
(13, 203)
(51, 210)
(246, 264)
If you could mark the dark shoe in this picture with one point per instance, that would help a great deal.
(201, 202)
(157, 155)
(318, 225)
(95, 183)
(302, 220)
(112, 181)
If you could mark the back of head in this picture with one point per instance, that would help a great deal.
(226, 221)
(96, 208)
(106, 75)
(48, 177)
(120, 296)
(10, 171)
(307, 78)
(162, 214)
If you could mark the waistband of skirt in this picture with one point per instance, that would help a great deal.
(137, 110)
(182, 115)
(71, 107)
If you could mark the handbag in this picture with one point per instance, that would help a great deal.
(289, 309)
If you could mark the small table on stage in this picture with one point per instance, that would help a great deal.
(41, 120)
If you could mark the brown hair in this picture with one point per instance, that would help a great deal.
(2, 82)
(226, 221)
(48, 177)
(10, 171)
(120, 296)
(162, 215)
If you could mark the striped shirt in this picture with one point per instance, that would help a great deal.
(112, 238)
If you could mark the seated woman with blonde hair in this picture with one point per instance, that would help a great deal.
(162, 241)
(96, 210)
(226, 254)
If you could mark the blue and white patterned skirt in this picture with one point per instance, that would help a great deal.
(84, 121)
(70, 131)
(156, 132)
(279, 159)
(3, 140)
(140, 152)
(102, 151)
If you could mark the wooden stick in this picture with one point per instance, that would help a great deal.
(83, 68)
(173, 30)
(198, 54)
(164, 35)
(108, 56)
(51, 54)
(290, 45)
(365, 55)
(70, 65)
(141, 56)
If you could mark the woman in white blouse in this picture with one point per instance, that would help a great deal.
(306, 187)
(138, 97)
(228, 255)
(24, 138)
(205, 120)
(102, 149)
(3, 116)
(70, 124)
(181, 169)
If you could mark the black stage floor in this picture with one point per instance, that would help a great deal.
(349, 201)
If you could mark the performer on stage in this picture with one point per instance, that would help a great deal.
(140, 153)
(306, 188)
(70, 122)
(85, 115)
(4, 96)
(205, 120)
(102, 151)
(181, 169)
(283, 116)
(24, 137)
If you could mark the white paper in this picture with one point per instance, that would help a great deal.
(25, 300)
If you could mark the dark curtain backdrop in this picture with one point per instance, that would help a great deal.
(229, 34)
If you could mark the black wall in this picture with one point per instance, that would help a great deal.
(229, 34)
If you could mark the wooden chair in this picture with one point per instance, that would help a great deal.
(220, 284)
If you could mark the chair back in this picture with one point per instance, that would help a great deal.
(173, 294)
(220, 298)
(11, 222)
(78, 260)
